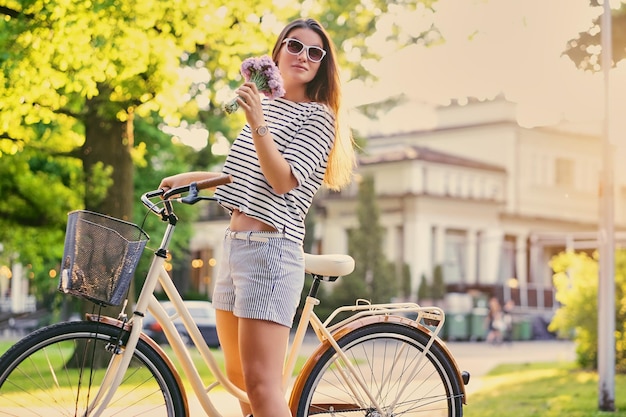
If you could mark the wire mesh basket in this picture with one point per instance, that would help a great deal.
(100, 256)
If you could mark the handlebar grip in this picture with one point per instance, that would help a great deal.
(214, 182)
(199, 185)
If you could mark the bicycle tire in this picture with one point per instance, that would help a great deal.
(382, 354)
(46, 374)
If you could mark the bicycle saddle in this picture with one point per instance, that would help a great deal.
(328, 265)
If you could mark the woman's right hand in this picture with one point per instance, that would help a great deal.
(250, 102)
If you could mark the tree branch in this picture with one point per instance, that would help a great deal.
(13, 13)
(7, 137)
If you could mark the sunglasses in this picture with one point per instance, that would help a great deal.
(295, 47)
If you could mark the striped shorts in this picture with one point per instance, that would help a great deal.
(260, 276)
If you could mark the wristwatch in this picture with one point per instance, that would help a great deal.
(261, 130)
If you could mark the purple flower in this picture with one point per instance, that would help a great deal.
(265, 74)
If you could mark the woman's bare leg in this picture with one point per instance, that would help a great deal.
(263, 345)
(228, 332)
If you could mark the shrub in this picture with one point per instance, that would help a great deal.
(423, 291)
(576, 281)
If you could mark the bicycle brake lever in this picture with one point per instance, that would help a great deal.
(192, 197)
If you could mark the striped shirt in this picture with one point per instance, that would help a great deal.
(303, 134)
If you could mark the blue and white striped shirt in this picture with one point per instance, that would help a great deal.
(303, 134)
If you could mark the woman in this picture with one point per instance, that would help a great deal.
(288, 148)
(494, 321)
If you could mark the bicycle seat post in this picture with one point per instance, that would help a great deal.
(315, 286)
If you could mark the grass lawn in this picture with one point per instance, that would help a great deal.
(542, 390)
(5, 345)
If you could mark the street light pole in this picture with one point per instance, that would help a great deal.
(606, 285)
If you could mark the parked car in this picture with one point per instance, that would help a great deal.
(203, 315)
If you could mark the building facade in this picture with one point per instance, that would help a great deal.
(488, 201)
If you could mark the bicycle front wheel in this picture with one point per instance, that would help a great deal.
(58, 370)
(389, 358)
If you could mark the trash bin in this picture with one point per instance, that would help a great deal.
(456, 326)
(478, 324)
(522, 329)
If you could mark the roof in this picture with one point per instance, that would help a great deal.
(420, 153)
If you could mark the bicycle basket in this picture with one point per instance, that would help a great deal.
(100, 256)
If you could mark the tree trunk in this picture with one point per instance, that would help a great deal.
(108, 143)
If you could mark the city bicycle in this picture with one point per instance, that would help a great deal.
(375, 360)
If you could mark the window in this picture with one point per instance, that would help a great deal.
(508, 267)
(563, 172)
(455, 256)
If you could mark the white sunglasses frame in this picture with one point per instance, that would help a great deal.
(305, 47)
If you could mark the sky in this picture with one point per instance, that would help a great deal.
(492, 47)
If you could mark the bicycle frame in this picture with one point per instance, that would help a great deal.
(363, 314)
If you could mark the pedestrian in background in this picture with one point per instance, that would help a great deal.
(495, 322)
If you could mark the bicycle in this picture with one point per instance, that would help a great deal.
(376, 362)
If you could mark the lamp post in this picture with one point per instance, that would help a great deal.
(606, 285)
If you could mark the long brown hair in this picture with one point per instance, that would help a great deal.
(326, 88)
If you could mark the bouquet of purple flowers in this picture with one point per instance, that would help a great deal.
(265, 74)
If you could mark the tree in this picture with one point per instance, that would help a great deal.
(373, 278)
(438, 289)
(405, 281)
(424, 290)
(585, 50)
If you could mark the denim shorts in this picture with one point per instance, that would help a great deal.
(260, 276)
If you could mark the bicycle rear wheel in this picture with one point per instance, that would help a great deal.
(385, 356)
(54, 372)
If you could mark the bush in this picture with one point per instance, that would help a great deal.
(576, 282)
(423, 291)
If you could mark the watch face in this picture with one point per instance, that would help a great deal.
(261, 130)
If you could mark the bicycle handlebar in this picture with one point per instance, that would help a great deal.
(192, 188)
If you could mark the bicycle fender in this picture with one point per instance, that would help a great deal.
(154, 345)
(357, 324)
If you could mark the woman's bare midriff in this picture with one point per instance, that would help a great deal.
(239, 222)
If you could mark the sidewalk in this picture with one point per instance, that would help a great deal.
(478, 358)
